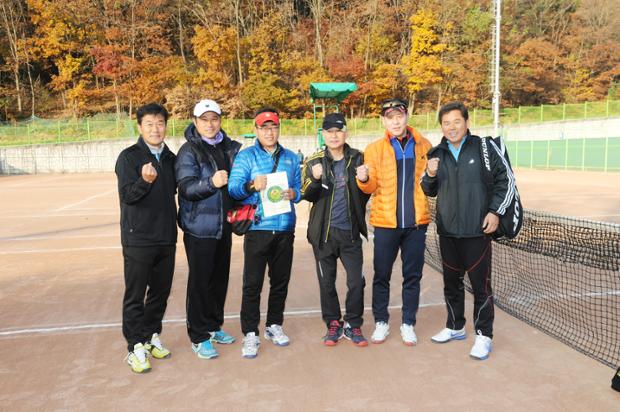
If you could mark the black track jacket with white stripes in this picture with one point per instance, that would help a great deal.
(462, 201)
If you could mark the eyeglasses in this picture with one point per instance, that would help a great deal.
(272, 129)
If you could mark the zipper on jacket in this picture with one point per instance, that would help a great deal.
(346, 172)
(402, 189)
(331, 204)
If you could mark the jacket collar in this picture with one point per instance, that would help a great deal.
(348, 152)
(191, 135)
(142, 145)
(444, 142)
(410, 132)
(259, 146)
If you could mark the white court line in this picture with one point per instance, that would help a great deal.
(50, 215)
(88, 199)
(69, 328)
(77, 249)
(530, 299)
(58, 237)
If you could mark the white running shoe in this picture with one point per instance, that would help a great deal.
(275, 334)
(251, 342)
(407, 332)
(446, 335)
(382, 330)
(482, 347)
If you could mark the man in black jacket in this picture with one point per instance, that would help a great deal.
(466, 217)
(146, 189)
(202, 168)
(337, 219)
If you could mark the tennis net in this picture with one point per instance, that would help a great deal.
(560, 275)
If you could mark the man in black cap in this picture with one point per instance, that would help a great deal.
(337, 220)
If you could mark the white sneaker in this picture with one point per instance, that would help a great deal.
(407, 332)
(482, 347)
(446, 335)
(382, 330)
(275, 334)
(251, 342)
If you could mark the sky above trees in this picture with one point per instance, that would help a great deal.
(83, 57)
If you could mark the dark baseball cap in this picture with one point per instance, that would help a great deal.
(336, 120)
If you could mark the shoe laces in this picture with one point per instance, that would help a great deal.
(155, 341)
(250, 340)
(334, 325)
(356, 331)
(276, 331)
(140, 353)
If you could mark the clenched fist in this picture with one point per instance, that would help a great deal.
(149, 174)
(432, 166)
(317, 171)
(220, 178)
(361, 173)
(289, 194)
(260, 182)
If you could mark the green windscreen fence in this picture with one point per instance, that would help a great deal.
(597, 154)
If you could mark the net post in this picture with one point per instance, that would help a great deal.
(563, 111)
(583, 154)
(517, 153)
(606, 153)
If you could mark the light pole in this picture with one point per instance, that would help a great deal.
(496, 54)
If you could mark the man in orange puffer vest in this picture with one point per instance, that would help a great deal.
(393, 166)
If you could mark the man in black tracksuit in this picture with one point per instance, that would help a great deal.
(337, 219)
(466, 217)
(146, 188)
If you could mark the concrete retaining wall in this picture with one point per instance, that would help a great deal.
(101, 156)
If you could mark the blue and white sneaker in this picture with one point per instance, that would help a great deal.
(251, 343)
(205, 350)
(275, 334)
(222, 337)
(446, 335)
(482, 347)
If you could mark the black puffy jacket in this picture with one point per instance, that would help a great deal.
(148, 210)
(320, 193)
(201, 205)
(462, 201)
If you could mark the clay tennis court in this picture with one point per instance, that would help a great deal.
(61, 346)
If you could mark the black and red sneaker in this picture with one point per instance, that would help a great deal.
(334, 333)
(355, 335)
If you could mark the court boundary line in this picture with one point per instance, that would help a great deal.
(88, 199)
(69, 328)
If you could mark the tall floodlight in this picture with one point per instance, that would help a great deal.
(495, 71)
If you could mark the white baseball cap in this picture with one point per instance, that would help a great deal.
(207, 105)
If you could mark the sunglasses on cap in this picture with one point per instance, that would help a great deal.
(391, 104)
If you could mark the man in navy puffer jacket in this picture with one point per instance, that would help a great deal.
(270, 239)
(202, 168)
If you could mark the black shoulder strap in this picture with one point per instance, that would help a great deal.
(485, 160)
(275, 164)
